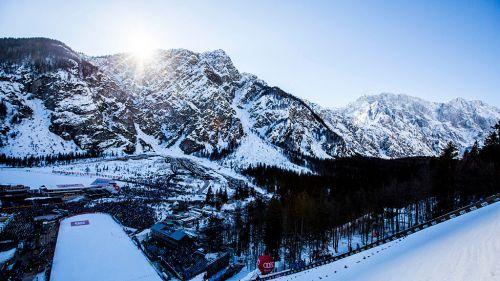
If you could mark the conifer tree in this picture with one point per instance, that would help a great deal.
(209, 198)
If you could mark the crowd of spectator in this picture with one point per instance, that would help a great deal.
(22, 227)
(32, 256)
(132, 208)
(134, 213)
(186, 261)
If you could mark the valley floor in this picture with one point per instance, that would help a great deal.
(36, 177)
(464, 248)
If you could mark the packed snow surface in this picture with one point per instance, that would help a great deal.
(465, 248)
(94, 247)
(36, 177)
(7, 255)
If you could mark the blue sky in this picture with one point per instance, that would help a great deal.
(329, 52)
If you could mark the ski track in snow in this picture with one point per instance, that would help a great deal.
(462, 249)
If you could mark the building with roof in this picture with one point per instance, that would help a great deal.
(63, 190)
(108, 184)
(173, 238)
(11, 194)
(98, 188)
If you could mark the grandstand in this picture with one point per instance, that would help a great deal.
(11, 194)
(97, 189)
(176, 251)
(184, 263)
(63, 190)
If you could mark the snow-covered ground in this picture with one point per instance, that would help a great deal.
(94, 247)
(465, 248)
(33, 135)
(36, 177)
(5, 256)
(185, 173)
(253, 149)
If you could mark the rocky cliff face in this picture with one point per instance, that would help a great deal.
(389, 125)
(178, 100)
(54, 99)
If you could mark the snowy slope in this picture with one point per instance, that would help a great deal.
(461, 249)
(253, 148)
(32, 135)
(5, 256)
(98, 249)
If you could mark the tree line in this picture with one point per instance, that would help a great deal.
(357, 197)
(41, 54)
(41, 160)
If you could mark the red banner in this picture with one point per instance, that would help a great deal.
(265, 264)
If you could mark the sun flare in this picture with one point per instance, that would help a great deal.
(140, 45)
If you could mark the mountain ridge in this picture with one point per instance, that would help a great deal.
(200, 104)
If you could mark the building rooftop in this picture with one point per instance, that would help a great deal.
(178, 235)
(166, 229)
(100, 181)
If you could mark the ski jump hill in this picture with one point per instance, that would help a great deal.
(93, 246)
(461, 245)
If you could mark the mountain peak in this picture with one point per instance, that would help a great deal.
(198, 103)
(387, 97)
(219, 53)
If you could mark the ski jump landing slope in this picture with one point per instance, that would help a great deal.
(93, 247)
(461, 249)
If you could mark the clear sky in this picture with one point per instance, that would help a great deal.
(329, 52)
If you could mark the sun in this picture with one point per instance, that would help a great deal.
(141, 45)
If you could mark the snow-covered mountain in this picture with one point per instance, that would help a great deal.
(54, 99)
(389, 125)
